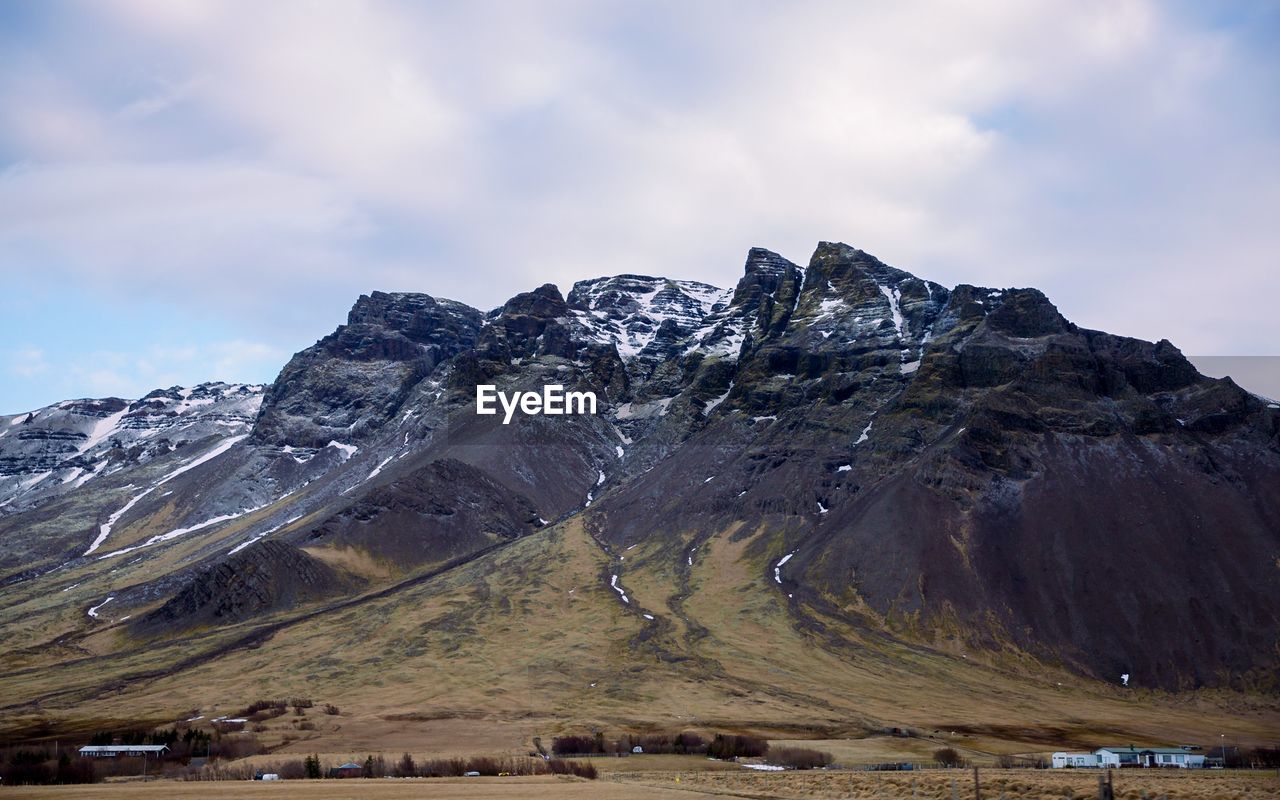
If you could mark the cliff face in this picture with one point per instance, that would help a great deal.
(351, 382)
(963, 468)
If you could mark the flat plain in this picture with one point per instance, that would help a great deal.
(844, 785)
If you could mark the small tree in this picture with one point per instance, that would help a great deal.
(947, 757)
(312, 766)
(405, 768)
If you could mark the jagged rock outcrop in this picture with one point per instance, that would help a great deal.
(354, 380)
(266, 578)
(441, 511)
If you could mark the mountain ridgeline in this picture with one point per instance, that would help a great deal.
(963, 469)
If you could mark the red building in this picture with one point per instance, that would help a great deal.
(347, 770)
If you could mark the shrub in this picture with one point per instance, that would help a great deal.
(23, 766)
(442, 768)
(292, 770)
(375, 767)
(405, 767)
(331, 709)
(558, 766)
(577, 745)
(78, 770)
(486, 766)
(799, 758)
(234, 747)
(263, 710)
(726, 746)
(948, 757)
(1021, 762)
(689, 742)
(28, 767)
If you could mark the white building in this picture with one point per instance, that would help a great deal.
(127, 750)
(1129, 756)
(1063, 760)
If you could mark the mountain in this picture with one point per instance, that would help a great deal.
(833, 497)
(49, 451)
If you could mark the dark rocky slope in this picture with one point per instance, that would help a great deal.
(268, 577)
(971, 464)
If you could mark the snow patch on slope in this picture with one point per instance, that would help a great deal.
(347, 450)
(104, 530)
(93, 612)
(174, 534)
(777, 568)
(893, 295)
(621, 592)
(260, 536)
(711, 405)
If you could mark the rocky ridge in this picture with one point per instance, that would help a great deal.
(963, 466)
(52, 450)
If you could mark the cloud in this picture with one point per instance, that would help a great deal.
(275, 160)
(195, 231)
(239, 358)
(27, 362)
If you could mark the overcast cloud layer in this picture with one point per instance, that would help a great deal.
(194, 190)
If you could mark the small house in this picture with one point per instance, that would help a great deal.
(1074, 760)
(347, 770)
(1130, 756)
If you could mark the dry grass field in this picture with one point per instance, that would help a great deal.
(687, 785)
(938, 784)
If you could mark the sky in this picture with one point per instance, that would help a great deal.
(194, 190)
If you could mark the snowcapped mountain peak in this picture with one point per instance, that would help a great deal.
(632, 311)
(63, 446)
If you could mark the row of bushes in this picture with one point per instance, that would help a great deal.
(1021, 762)
(724, 746)
(312, 767)
(133, 737)
(682, 743)
(727, 746)
(799, 758)
(454, 767)
(25, 767)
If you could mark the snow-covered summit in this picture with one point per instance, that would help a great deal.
(63, 446)
(632, 312)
